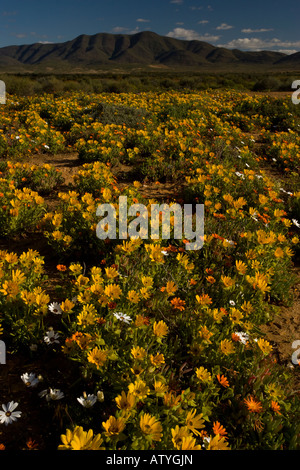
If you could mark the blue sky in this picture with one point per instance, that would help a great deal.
(246, 25)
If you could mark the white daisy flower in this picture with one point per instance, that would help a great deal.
(232, 302)
(8, 415)
(123, 317)
(52, 394)
(295, 222)
(51, 337)
(87, 401)
(55, 308)
(244, 337)
(30, 380)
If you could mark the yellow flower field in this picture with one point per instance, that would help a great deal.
(142, 344)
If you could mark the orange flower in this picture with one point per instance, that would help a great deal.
(141, 320)
(219, 429)
(253, 405)
(275, 407)
(61, 267)
(223, 380)
(178, 303)
(31, 444)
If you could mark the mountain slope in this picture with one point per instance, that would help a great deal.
(144, 48)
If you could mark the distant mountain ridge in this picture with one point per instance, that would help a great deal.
(141, 49)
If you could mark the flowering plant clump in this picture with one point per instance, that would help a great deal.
(20, 209)
(167, 345)
(24, 303)
(42, 179)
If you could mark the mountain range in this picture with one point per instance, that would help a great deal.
(143, 49)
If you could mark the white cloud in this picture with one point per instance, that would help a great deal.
(288, 51)
(203, 22)
(224, 26)
(123, 29)
(262, 30)
(9, 13)
(142, 20)
(257, 44)
(190, 34)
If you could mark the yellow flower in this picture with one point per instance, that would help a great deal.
(157, 360)
(205, 334)
(111, 273)
(107, 194)
(264, 346)
(218, 443)
(97, 356)
(133, 296)
(171, 399)
(87, 316)
(193, 422)
(144, 291)
(189, 443)
(227, 281)
(18, 277)
(203, 374)
(160, 329)
(235, 315)
(113, 426)
(279, 253)
(178, 433)
(289, 252)
(151, 427)
(11, 258)
(139, 389)
(57, 235)
(125, 402)
(227, 347)
(113, 291)
(155, 253)
(75, 268)
(170, 288)
(10, 289)
(82, 280)
(138, 353)
(78, 439)
(160, 388)
(204, 299)
(240, 267)
(67, 306)
(147, 281)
